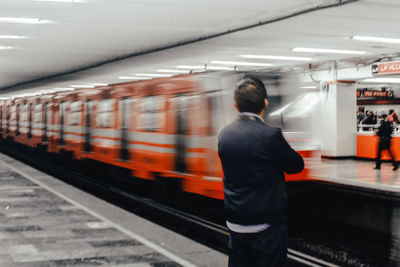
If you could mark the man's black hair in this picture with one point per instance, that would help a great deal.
(383, 116)
(250, 94)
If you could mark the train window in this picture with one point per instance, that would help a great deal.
(75, 114)
(38, 113)
(215, 112)
(24, 112)
(105, 113)
(13, 112)
(152, 113)
(48, 113)
(20, 111)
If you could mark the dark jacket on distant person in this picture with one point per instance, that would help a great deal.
(384, 132)
(254, 157)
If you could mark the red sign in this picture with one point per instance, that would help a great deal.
(373, 93)
(386, 68)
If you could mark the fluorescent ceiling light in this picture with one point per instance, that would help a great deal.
(153, 75)
(241, 63)
(63, 89)
(308, 87)
(46, 91)
(12, 37)
(381, 80)
(218, 68)
(133, 78)
(277, 57)
(203, 67)
(81, 86)
(173, 71)
(191, 67)
(60, 1)
(97, 84)
(2, 47)
(328, 51)
(23, 20)
(376, 39)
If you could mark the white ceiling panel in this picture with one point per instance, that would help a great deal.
(75, 35)
(94, 31)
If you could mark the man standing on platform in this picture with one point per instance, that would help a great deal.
(385, 131)
(254, 158)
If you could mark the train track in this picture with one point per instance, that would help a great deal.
(196, 227)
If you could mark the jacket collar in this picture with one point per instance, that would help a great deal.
(250, 116)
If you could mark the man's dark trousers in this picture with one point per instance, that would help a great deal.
(267, 248)
(384, 144)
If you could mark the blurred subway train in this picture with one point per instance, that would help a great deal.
(157, 129)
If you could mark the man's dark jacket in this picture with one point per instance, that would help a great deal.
(254, 157)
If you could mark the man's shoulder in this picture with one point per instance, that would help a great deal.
(239, 126)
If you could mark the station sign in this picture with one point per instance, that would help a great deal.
(374, 94)
(384, 68)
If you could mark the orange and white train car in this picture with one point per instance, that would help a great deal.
(157, 129)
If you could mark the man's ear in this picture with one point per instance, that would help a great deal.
(266, 103)
(236, 106)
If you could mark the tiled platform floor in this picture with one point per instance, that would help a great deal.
(41, 228)
(357, 173)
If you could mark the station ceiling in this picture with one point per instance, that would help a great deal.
(49, 38)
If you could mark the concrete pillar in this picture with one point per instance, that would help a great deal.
(338, 119)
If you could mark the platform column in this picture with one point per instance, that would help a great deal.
(338, 118)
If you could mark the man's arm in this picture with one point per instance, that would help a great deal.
(286, 158)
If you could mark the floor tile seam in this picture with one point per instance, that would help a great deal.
(133, 235)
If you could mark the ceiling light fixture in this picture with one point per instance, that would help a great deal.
(218, 68)
(153, 75)
(381, 80)
(60, 1)
(241, 63)
(191, 67)
(23, 20)
(63, 89)
(133, 78)
(277, 57)
(376, 39)
(81, 86)
(173, 71)
(203, 67)
(2, 47)
(97, 84)
(308, 87)
(12, 37)
(328, 51)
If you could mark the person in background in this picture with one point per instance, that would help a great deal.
(369, 119)
(384, 132)
(254, 157)
(392, 117)
(360, 116)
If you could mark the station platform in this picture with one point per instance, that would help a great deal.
(45, 222)
(358, 173)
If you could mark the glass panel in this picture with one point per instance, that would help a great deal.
(152, 113)
(49, 113)
(105, 113)
(38, 113)
(13, 112)
(75, 114)
(24, 112)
